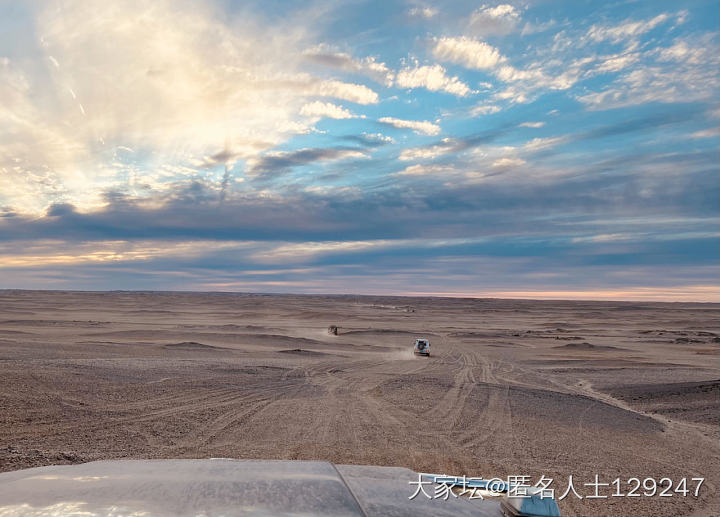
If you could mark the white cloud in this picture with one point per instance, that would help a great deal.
(526, 83)
(497, 20)
(560, 67)
(423, 170)
(431, 77)
(319, 109)
(509, 162)
(681, 83)
(513, 94)
(44, 253)
(484, 109)
(509, 73)
(616, 62)
(533, 28)
(378, 138)
(358, 93)
(499, 12)
(304, 250)
(423, 12)
(684, 52)
(196, 85)
(427, 153)
(604, 237)
(538, 78)
(468, 52)
(625, 30)
(538, 144)
(335, 191)
(418, 126)
(532, 124)
(706, 133)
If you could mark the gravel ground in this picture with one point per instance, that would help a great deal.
(512, 387)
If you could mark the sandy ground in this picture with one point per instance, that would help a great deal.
(512, 388)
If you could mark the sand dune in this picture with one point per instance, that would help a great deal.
(191, 345)
(588, 347)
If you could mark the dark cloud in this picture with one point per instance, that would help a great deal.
(60, 209)
(367, 140)
(275, 164)
(640, 186)
(644, 214)
(341, 61)
(676, 115)
(671, 116)
(507, 264)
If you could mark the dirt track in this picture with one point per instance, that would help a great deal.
(513, 387)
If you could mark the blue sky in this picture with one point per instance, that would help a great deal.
(517, 149)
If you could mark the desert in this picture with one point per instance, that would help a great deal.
(513, 387)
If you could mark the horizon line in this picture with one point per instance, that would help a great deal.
(558, 296)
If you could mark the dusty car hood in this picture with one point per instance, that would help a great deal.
(223, 487)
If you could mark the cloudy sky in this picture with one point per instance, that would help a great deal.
(526, 149)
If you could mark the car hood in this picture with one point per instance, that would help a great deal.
(225, 487)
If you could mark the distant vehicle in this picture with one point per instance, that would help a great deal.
(422, 347)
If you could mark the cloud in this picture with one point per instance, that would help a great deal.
(431, 77)
(427, 152)
(713, 132)
(604, 237)
(484, 109)
(418, 126)
(479, 55)
(626, 30)
(498, 20)
(293, 252)
(423, 12)
(538, 144)
(424, 170)
(170, 144)
(319, 109)
(447, 146)
(684, 51)
(370, 139)
(655, 84)
(328, 56)
(509, 162)
(53, 252)
(438, 204)
(278, 162)
(682, 72)
(192, 213)
(352, 92)
(616, 62)
(561, 67)
(534, 28)
(468, 52)
(642, 72)
(99, 80)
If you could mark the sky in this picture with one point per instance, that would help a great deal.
(536, 149)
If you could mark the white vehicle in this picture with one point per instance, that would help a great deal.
(422, 347)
